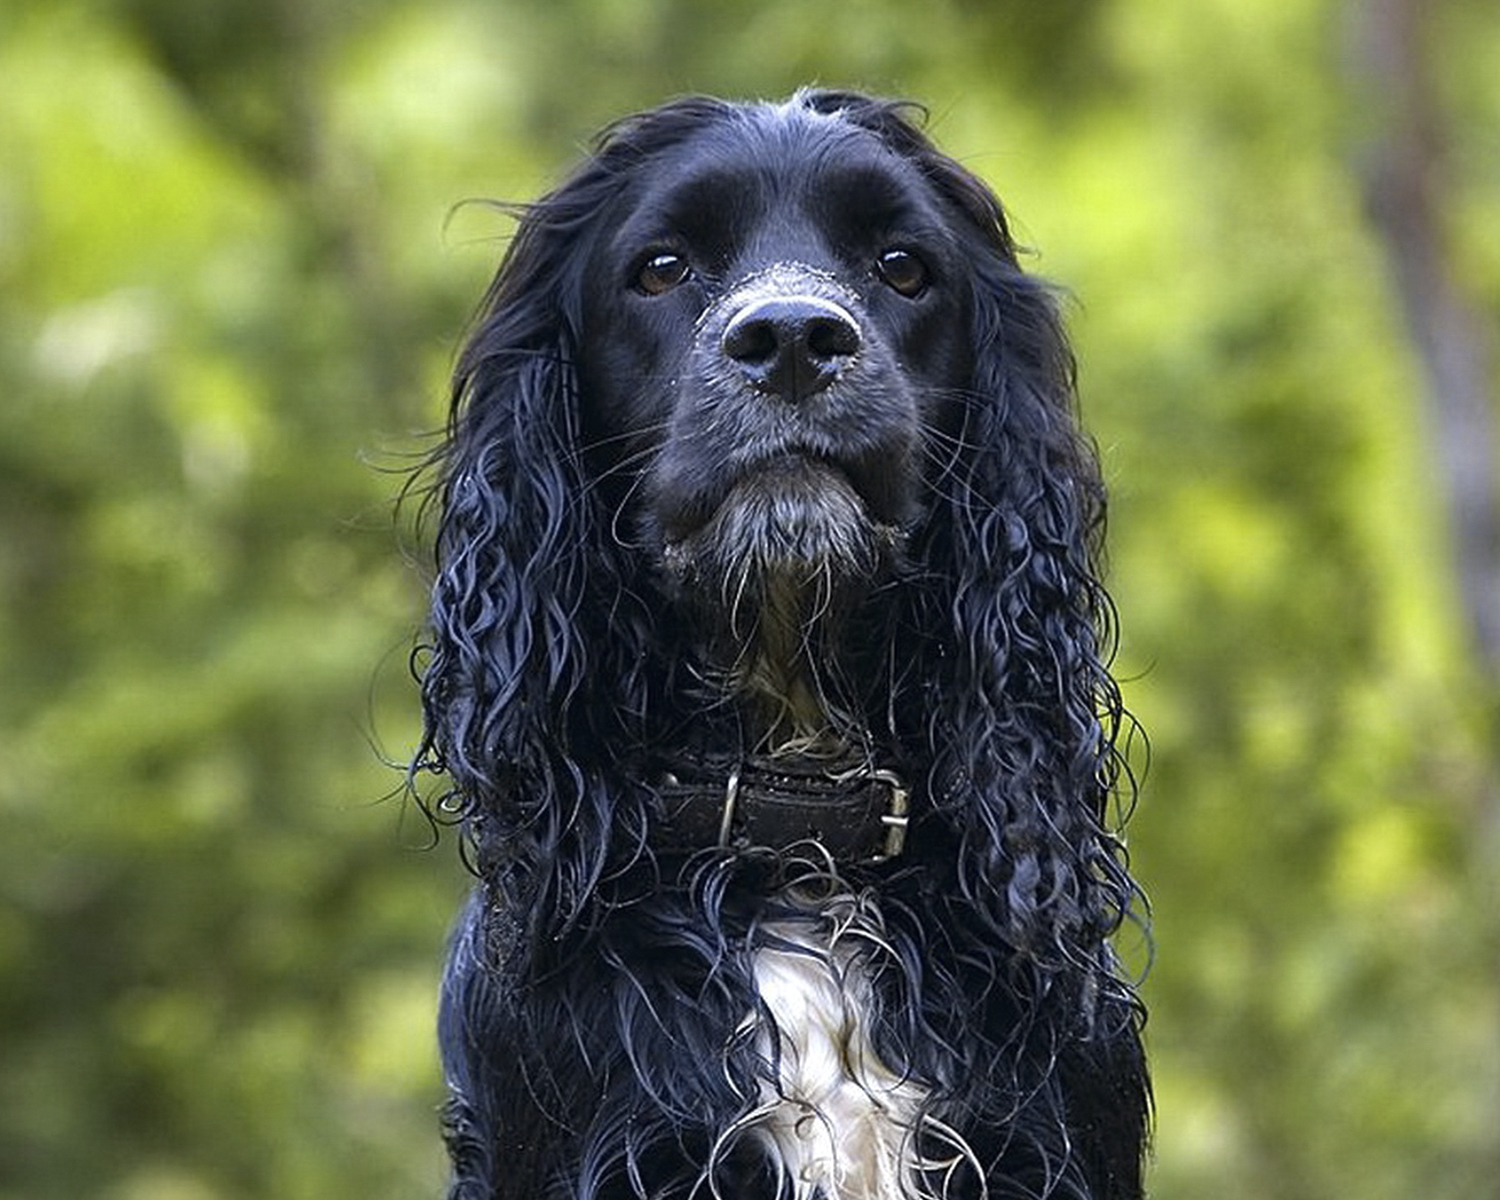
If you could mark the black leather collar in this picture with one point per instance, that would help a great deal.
(856, 812)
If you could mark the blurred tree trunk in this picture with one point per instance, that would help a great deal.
(1403, 177)
(1404, 180)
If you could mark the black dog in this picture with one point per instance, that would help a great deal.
(767, 678)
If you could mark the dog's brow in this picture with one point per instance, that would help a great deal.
(713, 199)
(875, 195)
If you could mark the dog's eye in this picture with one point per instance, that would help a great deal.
(903, 271)
(661, 273)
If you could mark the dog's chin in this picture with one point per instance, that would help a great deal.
(795, 529)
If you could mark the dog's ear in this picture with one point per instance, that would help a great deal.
(1025, 743)
(523, 567)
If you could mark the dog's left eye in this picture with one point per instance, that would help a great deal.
(661, 273)
(903, 272)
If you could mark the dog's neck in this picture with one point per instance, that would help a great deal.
(788, 671)
(780, 686)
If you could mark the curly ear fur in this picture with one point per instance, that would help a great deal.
(1030, 712)
(530, 601)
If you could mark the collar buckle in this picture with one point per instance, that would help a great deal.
(897, 815)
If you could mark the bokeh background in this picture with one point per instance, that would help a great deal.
(234, 268)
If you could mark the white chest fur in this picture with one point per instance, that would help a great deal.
(837, 1121)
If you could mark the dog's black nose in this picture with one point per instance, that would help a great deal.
(791, 346)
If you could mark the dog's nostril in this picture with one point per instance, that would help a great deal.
(791, 347)
(751, 342)
(831, 337)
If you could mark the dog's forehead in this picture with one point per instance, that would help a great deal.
(778, 155)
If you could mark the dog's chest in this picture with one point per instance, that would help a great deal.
(837, 1121)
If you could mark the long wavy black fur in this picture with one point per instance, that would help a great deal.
(594, 990)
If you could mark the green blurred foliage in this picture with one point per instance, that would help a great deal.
(232, 279)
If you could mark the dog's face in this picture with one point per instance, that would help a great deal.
(774, 314)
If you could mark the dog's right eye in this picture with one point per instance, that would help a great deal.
(661, 273)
